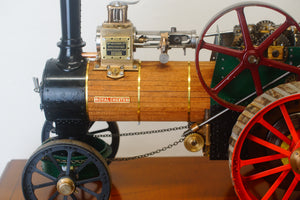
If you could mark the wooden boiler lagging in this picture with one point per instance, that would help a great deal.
(156, 92)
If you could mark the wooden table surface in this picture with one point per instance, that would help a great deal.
(176, 178)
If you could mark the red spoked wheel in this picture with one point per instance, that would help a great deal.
(251, 57)
(264, 148)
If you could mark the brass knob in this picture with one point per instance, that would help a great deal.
(194, 142)
(65, 186)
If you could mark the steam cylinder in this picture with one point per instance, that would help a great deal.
(156, 92)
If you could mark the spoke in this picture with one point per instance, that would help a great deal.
(223, 50)
(234, 73)
(289, 123)
(43, 185)
(267, 172)
(45, 174)
(69, 162)
(83, 165)
(275, 185)
(280, 65)
(99, 131)
(275, 131)
(268, 145)
(50, 156)
(291, 189)
(54, 195)
(73, 197)
(256, 80)
(244, 28)
(88, 191)
(262, 159)
(267, 42)
(81, 182)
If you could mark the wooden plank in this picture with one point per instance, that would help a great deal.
(10, 182)
(176, 178)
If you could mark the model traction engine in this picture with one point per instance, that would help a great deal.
(79, 89)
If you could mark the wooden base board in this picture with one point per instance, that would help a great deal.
(175, 178)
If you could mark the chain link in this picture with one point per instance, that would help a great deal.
(144, 132)
(148, 154)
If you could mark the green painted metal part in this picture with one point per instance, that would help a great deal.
(243, 84)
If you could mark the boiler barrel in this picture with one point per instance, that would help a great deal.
(155, 92)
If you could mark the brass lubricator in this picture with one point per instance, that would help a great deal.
(200, 138)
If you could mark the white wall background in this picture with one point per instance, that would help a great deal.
(29, 32)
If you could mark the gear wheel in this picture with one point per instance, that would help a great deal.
(238, 38)
(290, 36)
(265, 26)
(282, 40)
(239, 42)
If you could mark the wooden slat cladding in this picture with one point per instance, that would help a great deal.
(163, 93)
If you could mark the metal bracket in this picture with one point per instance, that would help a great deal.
(117, 71)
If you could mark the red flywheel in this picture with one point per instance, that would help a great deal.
(250, 58)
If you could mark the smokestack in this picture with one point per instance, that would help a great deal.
(71, 43)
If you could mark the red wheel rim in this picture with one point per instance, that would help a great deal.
(250, 58)
(242, 181)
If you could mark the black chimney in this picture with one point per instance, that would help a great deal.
(71, 43)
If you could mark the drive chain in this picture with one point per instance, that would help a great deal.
(145, 132)
(157, 151)
(148, 154)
